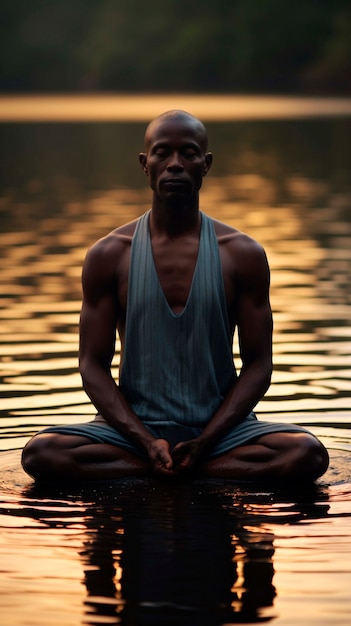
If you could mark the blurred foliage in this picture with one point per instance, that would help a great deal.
(176, 45)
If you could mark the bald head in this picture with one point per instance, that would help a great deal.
(177, 116)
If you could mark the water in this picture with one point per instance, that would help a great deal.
(140, 552)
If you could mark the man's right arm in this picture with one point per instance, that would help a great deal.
(98, 323)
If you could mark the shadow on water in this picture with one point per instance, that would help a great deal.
(184, 554)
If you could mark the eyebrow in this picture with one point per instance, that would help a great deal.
(164, 144)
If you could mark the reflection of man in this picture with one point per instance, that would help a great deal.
(177, 556)
(176, 284)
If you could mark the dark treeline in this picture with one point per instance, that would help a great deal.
(176, 45)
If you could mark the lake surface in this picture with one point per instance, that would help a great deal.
(141, 552)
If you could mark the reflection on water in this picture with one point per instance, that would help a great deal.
(167, 556)
(141, 552)
(146, 553)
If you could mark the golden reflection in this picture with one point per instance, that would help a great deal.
(143, 552)
(143, 107)
(166, 558)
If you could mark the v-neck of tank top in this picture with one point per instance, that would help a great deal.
(182, 312)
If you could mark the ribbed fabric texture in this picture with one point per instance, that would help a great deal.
(176, 367)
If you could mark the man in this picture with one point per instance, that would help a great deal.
(175, 284)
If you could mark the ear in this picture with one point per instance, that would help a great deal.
(142, 161)
(208, 163)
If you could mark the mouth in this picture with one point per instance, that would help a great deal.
(174, 183)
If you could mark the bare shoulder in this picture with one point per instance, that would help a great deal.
(107, 257)
(113, 243)
(238, 246)
(245, 267)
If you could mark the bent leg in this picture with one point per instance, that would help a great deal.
(278, 456)
(50, 457)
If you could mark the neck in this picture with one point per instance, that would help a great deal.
(174, 219)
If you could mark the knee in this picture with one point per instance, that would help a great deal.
(313, 458)
(37, 457)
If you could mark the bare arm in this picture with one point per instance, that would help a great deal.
(254, 322)
(98, 322)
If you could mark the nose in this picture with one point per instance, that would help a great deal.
(174, 162)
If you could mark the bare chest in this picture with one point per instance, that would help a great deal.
(175, 263)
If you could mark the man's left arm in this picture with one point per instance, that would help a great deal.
(254, 324)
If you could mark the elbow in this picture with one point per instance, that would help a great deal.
(266, 381)
(267, 371)
(260, 371)
(89, 371)
(92, 371)
(84, 369)
(87, 379)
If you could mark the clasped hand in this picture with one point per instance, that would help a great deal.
(168, 462)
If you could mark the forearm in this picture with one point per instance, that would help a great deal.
(239, 401)
(112, 405)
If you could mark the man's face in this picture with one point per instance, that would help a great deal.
(176, 161)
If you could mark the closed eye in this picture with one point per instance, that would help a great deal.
(161, 151)
(190, 153)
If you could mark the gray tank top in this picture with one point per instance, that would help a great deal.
(176, 367)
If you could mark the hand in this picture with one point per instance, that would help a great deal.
(185, 455)
(160, 457)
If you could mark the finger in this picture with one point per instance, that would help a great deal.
(178, 454)
(163, 471)
(166, 460)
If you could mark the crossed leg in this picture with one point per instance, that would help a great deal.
(282, 456)
(277, 456)
(51, 456)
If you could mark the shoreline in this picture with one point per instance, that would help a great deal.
(143, 107)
